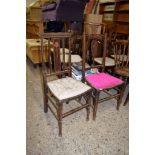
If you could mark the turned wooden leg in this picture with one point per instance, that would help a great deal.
(95, 104)
(59, 112)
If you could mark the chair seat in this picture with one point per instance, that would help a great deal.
(74, 58)
(122, 71)
(61, 50)
(108, 61)
(103, 81)
(67, 88)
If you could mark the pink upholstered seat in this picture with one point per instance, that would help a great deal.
(103, 80)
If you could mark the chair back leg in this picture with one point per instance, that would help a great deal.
(126, 100)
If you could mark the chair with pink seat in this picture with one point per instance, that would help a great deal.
(100, 81)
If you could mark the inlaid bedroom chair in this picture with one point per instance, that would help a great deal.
(59, 86)
(121, 55)
(101, 81)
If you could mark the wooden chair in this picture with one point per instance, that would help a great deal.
(59, 86)
(96, 45)
(121, 55)
(100, 82)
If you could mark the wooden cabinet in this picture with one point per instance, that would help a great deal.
(116, 15)
(33, 27)
(121, 17)
(107, 8)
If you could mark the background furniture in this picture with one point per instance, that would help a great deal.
(107, 9)
(33, 27)
(116, 15)
(121, 55)
(59, 86)
(121, 20)
(33, 50)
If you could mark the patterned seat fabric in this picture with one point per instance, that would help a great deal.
(67, 87)
(103, 81)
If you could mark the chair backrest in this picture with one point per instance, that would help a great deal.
(89, 48)
(121, 53)
(58, 63)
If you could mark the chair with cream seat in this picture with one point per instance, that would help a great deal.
(58, 85)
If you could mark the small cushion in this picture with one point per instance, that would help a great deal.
(103, 80)
(67, 87)
(108, 61)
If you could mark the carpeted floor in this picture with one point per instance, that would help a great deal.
(108, 135)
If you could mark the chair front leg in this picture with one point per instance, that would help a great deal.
(88, 101)
(121, 93)
(126, 100)
(59, 113)
(95, 104)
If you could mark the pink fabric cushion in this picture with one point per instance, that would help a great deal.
(103, 80)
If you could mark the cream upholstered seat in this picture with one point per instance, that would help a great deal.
(74, 58)
(108, 61)
(67, 87)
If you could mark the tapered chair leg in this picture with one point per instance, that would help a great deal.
(45, 103)
(59, 113)
(119, 99)
(126, 100)
(45, 100)
(88, 108)
(95, 105)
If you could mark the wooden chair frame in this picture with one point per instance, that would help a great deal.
(121, 55)
(60, 70)
(96, 92)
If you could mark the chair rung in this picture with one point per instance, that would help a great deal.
(55, 106)
(108, 98)
(74, 110)
(53, 112)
